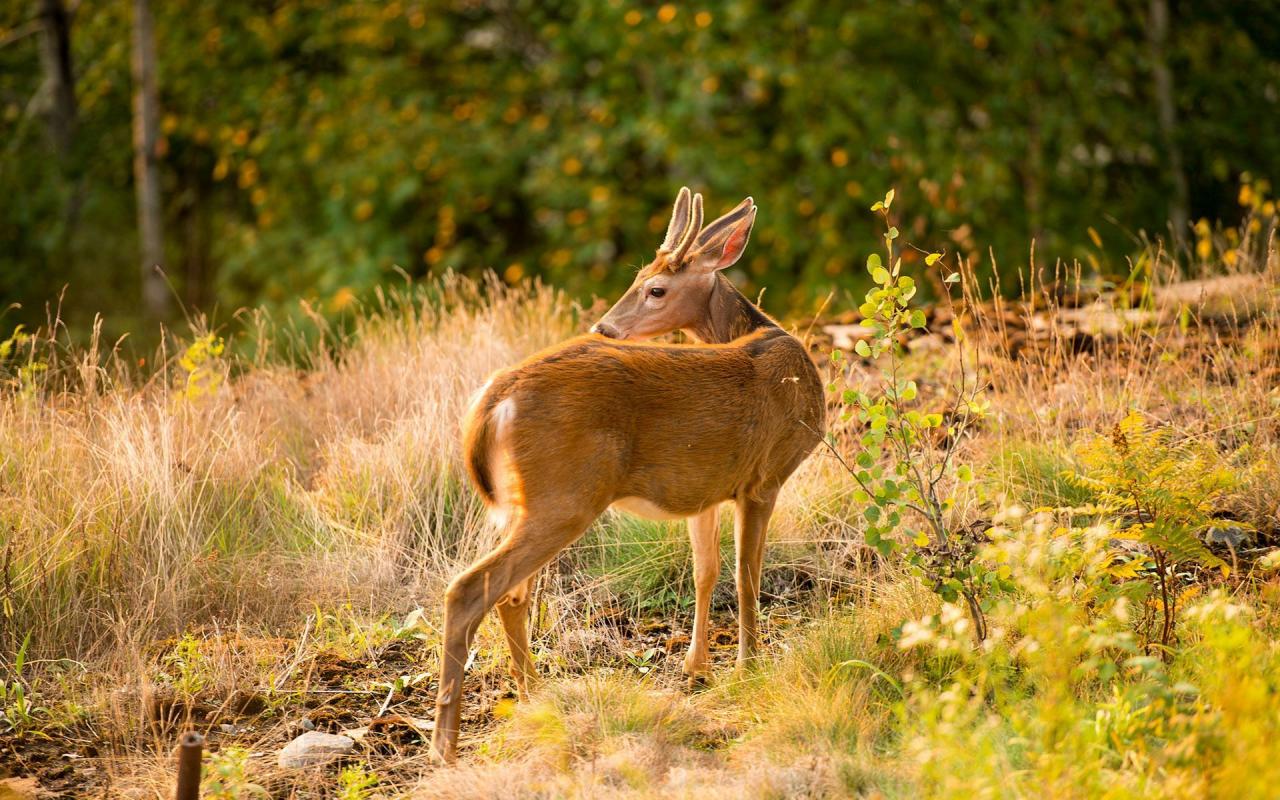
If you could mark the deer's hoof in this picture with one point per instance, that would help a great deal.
(694, 666)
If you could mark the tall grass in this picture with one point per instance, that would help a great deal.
(132, 509)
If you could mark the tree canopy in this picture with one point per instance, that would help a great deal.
(313, 149)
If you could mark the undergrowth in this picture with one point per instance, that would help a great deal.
(234, 540)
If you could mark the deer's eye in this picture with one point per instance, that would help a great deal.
(657, 291)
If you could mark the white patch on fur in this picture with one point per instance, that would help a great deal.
(503, 414)
(644, 508)
(504, 478)
(499, 516)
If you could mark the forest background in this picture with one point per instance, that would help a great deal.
(299, 152)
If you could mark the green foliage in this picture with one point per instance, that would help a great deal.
(919, 445)
(336, 142)
(25, 372)
(10, 345)
(352, 635)
(1061, 702)
(19, 713)
(1165, 491)
(202, 366)
(226, 776)
(1170, 487)
(1036, 476)
(356, 782)
(187, 668)
(582, 719)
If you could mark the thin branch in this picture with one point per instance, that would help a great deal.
(854, 473)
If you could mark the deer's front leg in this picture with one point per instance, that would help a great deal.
(750, 523)
(704, 535)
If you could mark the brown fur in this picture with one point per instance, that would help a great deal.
(557, 439)
(477, 443)
(718, 421)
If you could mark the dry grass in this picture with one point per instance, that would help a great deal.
(279, 518)
(134, 512)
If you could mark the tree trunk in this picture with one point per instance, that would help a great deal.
(55, 57)
(146, 174)
(1166, 116)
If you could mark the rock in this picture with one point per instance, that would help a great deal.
(314, 748)
(306, 724)
(1231, 536)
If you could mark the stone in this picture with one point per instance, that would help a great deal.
(313, 749)
(1231, 536)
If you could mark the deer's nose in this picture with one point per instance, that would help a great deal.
(606, 330)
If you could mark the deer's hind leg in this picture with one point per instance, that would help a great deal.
(513, 610)
(534, 537)
(750, 525)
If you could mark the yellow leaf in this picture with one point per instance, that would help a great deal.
(1189, 593)
(504, 708)
(1125, 569)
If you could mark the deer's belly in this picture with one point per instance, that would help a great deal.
(644, 508)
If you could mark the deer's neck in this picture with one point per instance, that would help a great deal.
(730, 315)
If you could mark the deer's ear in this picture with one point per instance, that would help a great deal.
(679, 221)
(723, 242)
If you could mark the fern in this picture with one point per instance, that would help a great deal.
(1183, 546)
(1165, 489)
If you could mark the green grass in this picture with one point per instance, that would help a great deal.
(645, 565)
(1033, 474)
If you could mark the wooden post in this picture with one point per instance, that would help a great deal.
(189, 751)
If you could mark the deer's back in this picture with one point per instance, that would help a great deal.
(679, 426)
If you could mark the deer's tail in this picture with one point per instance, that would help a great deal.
(477, 444)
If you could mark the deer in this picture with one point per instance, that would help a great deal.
(661, 430)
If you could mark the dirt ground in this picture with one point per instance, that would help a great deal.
(331, 694)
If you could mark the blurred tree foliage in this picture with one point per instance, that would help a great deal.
(312, 149)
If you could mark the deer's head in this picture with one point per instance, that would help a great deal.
(673, 291)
